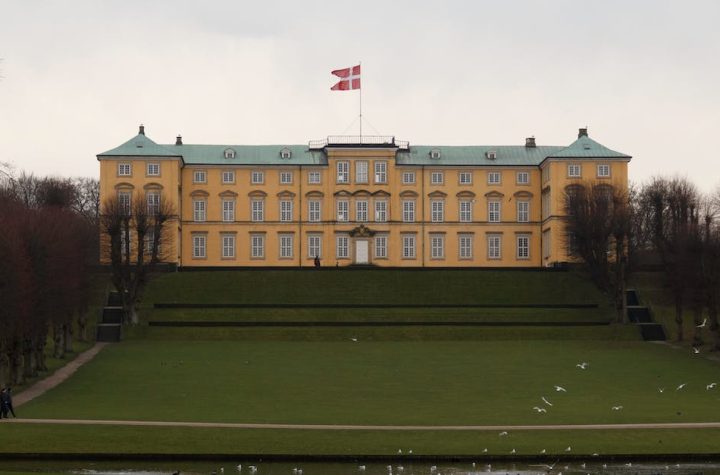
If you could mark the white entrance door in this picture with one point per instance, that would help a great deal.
(361, 252)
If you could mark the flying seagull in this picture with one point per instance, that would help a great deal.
(546, 401)
(696, 350)
(681, 387)
(661, 390)
(512, 451)
(582, 365)
(711, 386)
(702, 325)
(539, 409)
(560, 389)
(568, 449)
(354, 339)
(616, 408)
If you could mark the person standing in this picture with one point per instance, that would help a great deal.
(9, 401)
(4, 404)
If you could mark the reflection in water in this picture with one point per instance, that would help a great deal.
(287, 468)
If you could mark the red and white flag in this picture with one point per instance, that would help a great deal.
(349, 79)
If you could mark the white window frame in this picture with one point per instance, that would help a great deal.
(381, 242)
(381, 172)
(465, 246)
(286, 211)
(257, 210)
(574, 170)
(600, 168)
(228, 210)
(465, 178)
(494, 178)
(124, 169)
(523, 211)
(257, 246)
(361, 211)
(522, 178)
(286, 177)
(228, 241)
(437, 211)
(408, 246)
(408, 178)
(342, 246)
(314, 211)
(342, 214)
(465, 209)
(314, 245)
(199, 210)
(152, 169)
(437, 178)
(286, 244)
(314, 178)
(125, 202)
(361, 171)
(494, 243)
(200, 176)
(494, 211)
(343, 172)
(148, 242)
(437, 246)
(522, 248)
(381, 211)
(199, 246)
(228, 177)
(408, 211)
(257, 177)
(152, 199)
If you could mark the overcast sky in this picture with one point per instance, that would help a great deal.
(644, 76)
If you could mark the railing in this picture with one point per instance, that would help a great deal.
(388, 140)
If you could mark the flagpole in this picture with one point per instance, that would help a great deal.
(360, 64)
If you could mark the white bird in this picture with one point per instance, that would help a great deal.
(400, 451)
(239, 467)
(361, 467)
(549, 467)
(253, 468)
(604, 465)
(539, 409)
(295, 470)
(662, 390)
(546, 401)
(568, 449)
(542, 451)
(711, 386)
(582, 365)
(433, 468)
(595, 454)
(560, 389)
(354, 339)
(629, 464)
(616, 408)
(695, 350)
(485, 450)
(681, 387)
(410, 451)
(389, 467)
(582, 465)
(512, 451)
(400, 468)
(503, 433)
(702, 325)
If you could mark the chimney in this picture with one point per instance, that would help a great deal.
(582, 132)
(142, 130)
(178, 140)
(530, 142)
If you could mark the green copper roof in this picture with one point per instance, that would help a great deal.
(140, 146)
(475, 155)
(585, 147)
(249, 155)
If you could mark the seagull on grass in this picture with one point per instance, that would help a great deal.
(503, 433)
(539, 409)
(542, 451)
(702, 325)
(361, 468)
(617, 408)
(485, 450)
(354, 339)
(568, 449)
(560, 389)
(546, 401)
(512, 451)
(710, 386)
(549, 467)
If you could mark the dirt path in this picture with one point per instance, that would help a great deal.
(57, 377)
(230, 425)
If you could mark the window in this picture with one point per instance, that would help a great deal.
(286, 246)
(361, 172)
(314, 178)
(603, 171)
(286, 210)
(545, 175)
(199, 209)
(523, 211)
(314, 211)
(465, 246)
(408, 211)
(124, 239)
(361, 211)
(200, 176)
(465, 178)
(408, 178)
(153, 169)
(257, 208)
(343, 172)
(228, 176)
(380, 211)
(437, 246)
(522, 178)
(257, 177)
(494, 211)
(574, 170)
(342, 210)
(257, 246)
(149, 242)
(380, 247)
(545, 204)
(228, 210)
(286, 178)
(124, 169)
(199, 246)
(285, 153)
(493, 178)
(494, 242)
(436, 178)
(380, 172)
(228, 246)
(342, 248)
(408, 243)
(229, 153)
(153, 202)
(314, 245)
(438, 211)
(523, 246)
(466, 211)
(125, 202)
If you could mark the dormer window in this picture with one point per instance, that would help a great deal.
(491, 155)
(435, 153)
(286, 153)
(229, 153)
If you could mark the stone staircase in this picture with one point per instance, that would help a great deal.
(641, 316)
(109, 329)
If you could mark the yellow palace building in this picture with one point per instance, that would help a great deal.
(360, 200)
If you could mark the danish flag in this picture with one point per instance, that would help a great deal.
(349, 79)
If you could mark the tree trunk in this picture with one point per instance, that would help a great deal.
(58, 342)
(68, 337)
(82, 326)
(28, 367)
(16, 375)
(40, 355)
(4, 369)
(679, 319)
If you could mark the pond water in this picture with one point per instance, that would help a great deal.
(289, 468)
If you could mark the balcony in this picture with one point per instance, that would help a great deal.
(359, 141)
